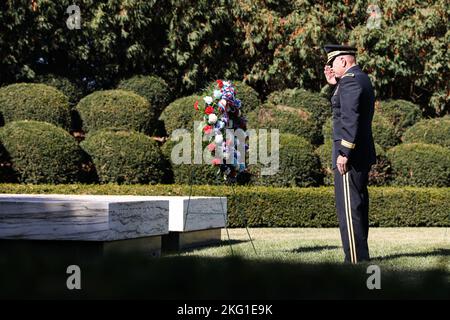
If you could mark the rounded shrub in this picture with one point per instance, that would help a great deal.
(151, 87)
(125, 157)
(327, 129)
(41, 152)
(33, 101)
(419, 164)
(248, 96)
(384, 132)
(116, 109)
(312, 102)
(72, 91)
(326, 91)
(380, 173)
(7, 174)
(432, 131)
(181, 114)
(298, 164)
(324, 152)
(288, 120)
(186, 173)
(400, 113)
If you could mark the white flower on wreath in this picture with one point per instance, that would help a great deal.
(212, 118)
(217, 94)
(208, 100)
(218, 139)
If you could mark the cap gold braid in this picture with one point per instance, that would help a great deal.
(333, 54)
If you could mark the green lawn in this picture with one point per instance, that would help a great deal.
(293, 263)
(393, 248)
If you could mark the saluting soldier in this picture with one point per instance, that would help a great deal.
(353, 147)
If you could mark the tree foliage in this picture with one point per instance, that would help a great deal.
(271, 45)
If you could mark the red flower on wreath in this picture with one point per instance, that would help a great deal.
(207, 129)
(209, 110)
(216, 161)
(211, 147)
(220, 83)
(196, 105)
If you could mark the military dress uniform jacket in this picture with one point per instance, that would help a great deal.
(353, 108)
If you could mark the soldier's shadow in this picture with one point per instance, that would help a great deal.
(435, 253)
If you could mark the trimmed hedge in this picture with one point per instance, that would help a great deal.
(153, 88)
(287, 207)
(298, 164)
(41, 152)
(181, 114)
(125, 157)
(248, 96)
(379, 175)
(419, 164)
(72, 91)
(400, 113)
(33, 101)
(432, 131)
(115, 109)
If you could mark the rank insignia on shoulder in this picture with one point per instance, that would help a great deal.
(348, 75)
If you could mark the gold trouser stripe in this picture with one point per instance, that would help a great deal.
(348, 211)
(347, 144)
(351, 219)
(346, 218)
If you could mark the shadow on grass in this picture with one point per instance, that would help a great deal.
(128, 276)
(435, 253)
(223, 243)
(313, 249)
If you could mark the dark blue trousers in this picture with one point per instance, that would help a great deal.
(352, 204)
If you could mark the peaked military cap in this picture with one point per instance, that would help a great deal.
(334, 50)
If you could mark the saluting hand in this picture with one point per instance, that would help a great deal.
(329, 74)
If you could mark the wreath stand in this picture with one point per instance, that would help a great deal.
(236, 210)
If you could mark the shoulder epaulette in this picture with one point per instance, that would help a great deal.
(348, 75)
